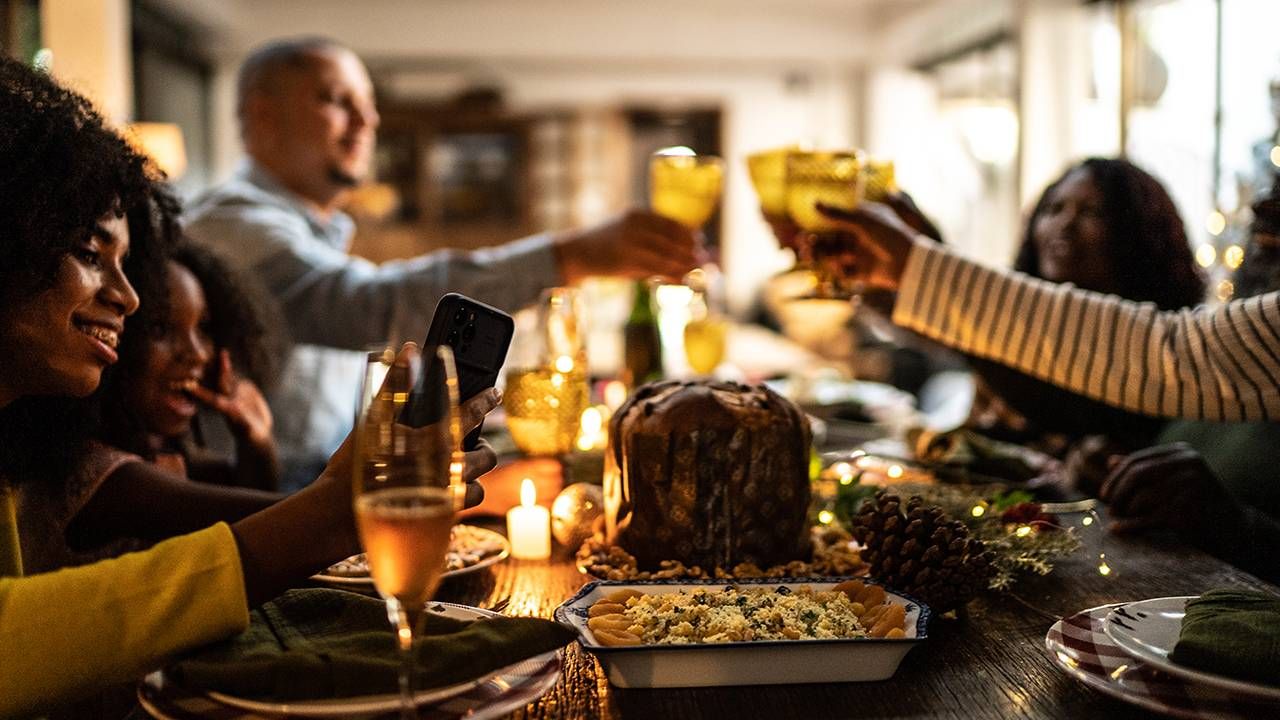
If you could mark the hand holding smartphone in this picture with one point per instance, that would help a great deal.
(479, 336)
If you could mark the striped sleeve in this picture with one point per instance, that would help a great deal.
(1218, 363)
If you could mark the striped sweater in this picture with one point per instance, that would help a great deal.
(1218, 363)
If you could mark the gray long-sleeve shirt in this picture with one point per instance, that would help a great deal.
(335, 305)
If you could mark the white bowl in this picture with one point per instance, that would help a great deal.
(768, 662)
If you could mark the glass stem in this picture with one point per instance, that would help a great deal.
(404, 637)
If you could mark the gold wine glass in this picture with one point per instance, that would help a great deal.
(685, 186)
(880, 179)
(833, 178)
(407, 487)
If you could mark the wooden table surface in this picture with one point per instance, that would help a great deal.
(990, 663)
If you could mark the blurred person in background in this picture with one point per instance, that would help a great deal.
(1220, 363)
(308, 120)
(1199, 472)
(1108, 226)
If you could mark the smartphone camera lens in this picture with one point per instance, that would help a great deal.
(460, 316)
(469, 332)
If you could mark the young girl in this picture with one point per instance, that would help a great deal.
(208, 343)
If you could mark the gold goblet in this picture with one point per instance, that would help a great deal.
(880, 179)
(833, 178)
(684, 186)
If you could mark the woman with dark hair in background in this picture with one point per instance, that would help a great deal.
(1108, 226)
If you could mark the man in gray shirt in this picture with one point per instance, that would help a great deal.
(308, 119)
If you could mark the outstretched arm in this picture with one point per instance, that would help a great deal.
(1218, 363)
(1221, 363)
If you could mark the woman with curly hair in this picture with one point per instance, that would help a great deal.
(80, 249)
(1105, 225)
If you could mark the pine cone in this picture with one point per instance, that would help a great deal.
(921, 551)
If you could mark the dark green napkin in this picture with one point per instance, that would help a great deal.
(311, 644)
(1235, 633)
(967, 451)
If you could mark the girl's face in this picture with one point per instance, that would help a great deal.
(1070, 234)
(178, 355)
(59, 341)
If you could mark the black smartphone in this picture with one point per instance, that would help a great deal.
(479, 336)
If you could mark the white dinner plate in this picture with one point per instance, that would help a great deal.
(764, 662)
(1148, 630)
(1078, 646)
(366, 704)
(332, 576)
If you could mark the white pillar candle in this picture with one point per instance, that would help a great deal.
(529, 526)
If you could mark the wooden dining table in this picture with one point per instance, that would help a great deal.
(988, 662)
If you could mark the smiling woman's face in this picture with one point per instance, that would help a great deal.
(1071, 235)
(58, 341)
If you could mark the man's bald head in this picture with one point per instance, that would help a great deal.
(307, 115)
(263, 70)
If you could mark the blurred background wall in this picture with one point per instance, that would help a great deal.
(503, 117)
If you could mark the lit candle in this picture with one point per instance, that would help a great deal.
(529, 526)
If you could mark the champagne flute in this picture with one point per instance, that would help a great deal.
(705, 333)
(407, 487)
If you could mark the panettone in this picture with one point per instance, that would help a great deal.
(710, 474)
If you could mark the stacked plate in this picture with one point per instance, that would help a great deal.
(1123, 650)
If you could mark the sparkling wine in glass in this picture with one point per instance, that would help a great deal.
(407, 486)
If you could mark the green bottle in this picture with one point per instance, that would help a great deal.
(642, 343)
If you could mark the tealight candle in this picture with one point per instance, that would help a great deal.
(529, 526)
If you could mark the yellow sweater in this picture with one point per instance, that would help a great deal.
(67, 634)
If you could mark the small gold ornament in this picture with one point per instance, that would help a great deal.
(575, 512)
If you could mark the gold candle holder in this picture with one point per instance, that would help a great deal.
(547, 390)
(544, 407)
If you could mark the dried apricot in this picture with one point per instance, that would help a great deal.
(614, 638)
(871, 596)
(622, 596)
(605, 607)
(850, 588)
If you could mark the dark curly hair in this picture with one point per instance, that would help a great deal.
(61, 169)
(240, 321)
(1147, 243)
